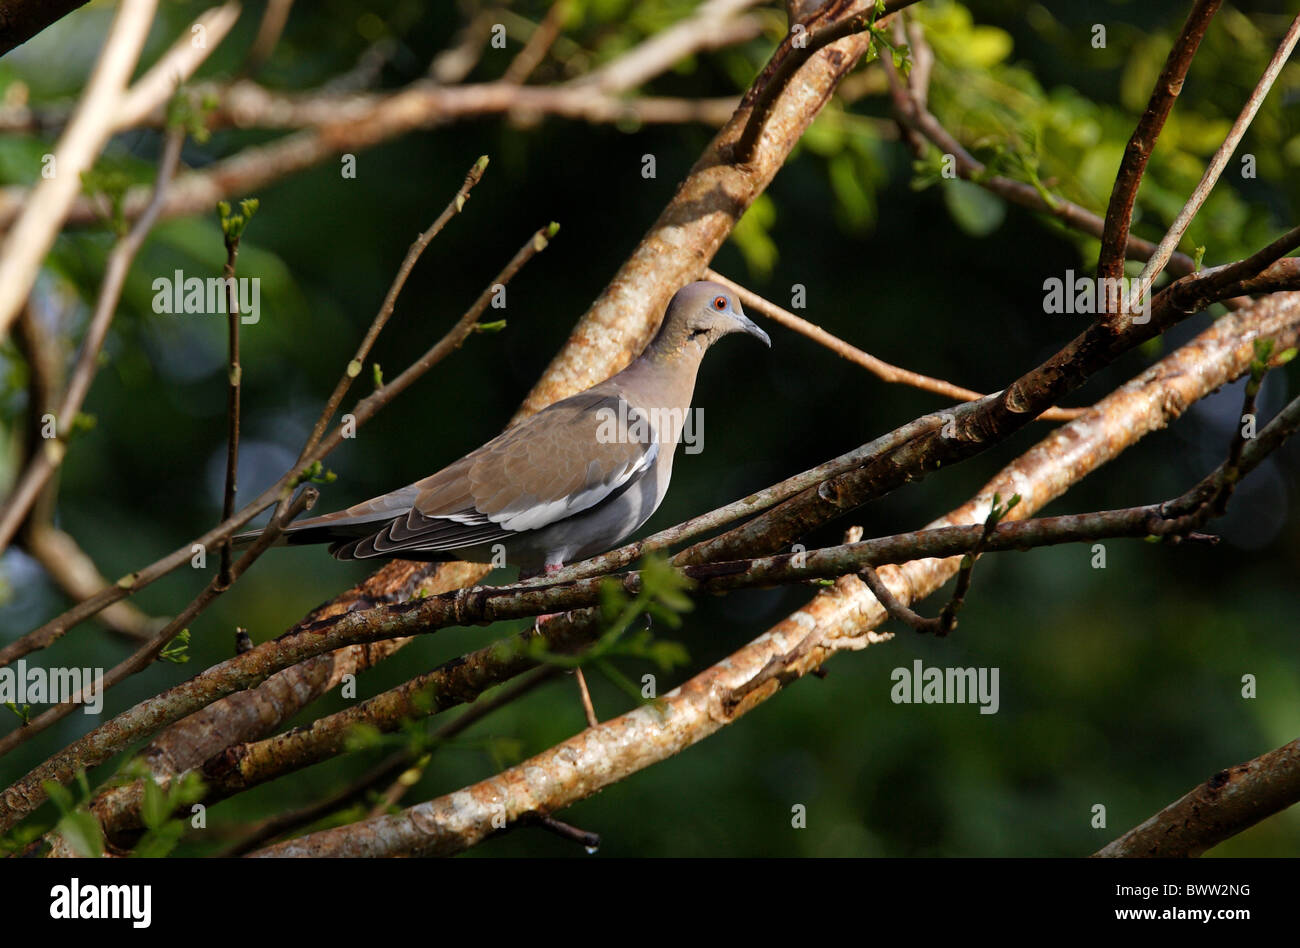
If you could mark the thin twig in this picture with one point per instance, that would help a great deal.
(877, 367)
(584, 696)
(1119, 213)
(368, 406)
(44, 462)
(269, 29)
(969, 168)
(147, 653)
(538, 45)
(590, 841)
(762, 98)
(355, 366)
(275, 494)
(234, 372)
(946, 621)
(43, 213)
(1170, 241)
(894, 606)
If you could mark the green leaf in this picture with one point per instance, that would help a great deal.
(752, 237)
(855, 199)
(363, 736)
(60, 795)
(612, 599)
(157, 843)
(83, 833)
(975, 210)
(186, 789)
(154, 809)
(177, 650)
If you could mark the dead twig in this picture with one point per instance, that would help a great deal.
(877, 367)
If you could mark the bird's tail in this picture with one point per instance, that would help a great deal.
(248, 538)
(341, 526)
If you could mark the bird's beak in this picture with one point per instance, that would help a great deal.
(752, 328)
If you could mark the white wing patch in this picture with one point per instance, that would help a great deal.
(534, 516)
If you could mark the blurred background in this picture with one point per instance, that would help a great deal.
(1119, 686)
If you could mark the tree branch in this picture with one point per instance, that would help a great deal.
(1119, 213)
(1231, 801)
(877, 367)
(795, 51)
(41, 218)
(44, 462)
(1156, 264)
(146, 654)
(241, 767)
(971, 428)
(840, 618)
(279, 492)
(914, 114)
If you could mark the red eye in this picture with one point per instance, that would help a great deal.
(719, 302)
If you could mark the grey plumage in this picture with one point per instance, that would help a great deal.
(567, 483)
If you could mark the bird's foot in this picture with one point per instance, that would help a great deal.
(547, 570)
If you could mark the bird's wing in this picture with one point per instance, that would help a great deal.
(570, 457)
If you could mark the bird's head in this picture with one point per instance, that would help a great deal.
(701, 313)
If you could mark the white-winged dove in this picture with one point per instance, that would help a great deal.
(566, 483)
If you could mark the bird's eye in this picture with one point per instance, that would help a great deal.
(719, 302)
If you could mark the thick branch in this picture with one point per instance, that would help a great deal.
(828, 25)
(1231, 801)
(973, 427)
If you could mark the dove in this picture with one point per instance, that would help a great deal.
(564, 484)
